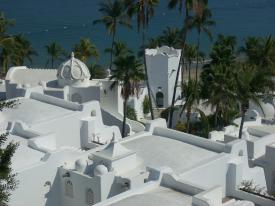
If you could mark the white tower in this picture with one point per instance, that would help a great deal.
(162, 64)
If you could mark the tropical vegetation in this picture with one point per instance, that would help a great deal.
(234, 76)
(55, 52)
(113, 15)
(8, 181)
(143, 10)
(128, 72)
(85, 49)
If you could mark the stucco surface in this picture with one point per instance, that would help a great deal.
(264, 128)
(159, 196)
(24, 156)
(32, 111)
(33, 76)
(157, 151)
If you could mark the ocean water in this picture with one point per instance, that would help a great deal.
(66, 21)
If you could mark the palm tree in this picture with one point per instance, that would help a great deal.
(97, 71)
(191, 96)
(85, 49)
(6, 41)
(260, 51)
(55, 51)
(184, 6)
(128, 73)
(202, 22)
(224, 50)
(5, 23)
(23, 50)
(113, 15)
(190, 53)
(119, 49)
(251, 83)
(144, 10)
(171, 37)
(6, 56)
(217, 89)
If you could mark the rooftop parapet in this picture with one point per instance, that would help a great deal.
(164, 51)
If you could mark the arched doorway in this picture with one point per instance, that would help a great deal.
(90, 197)
(160, 98)
(69, 191)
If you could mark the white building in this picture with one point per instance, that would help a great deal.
(71, 151)
(57, 166)
(71, 82)
(162, 65)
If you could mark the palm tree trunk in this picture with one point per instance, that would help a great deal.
(188, 115)
(146, 75)
(5, 65)
(182, 73)
(189, 71)
(181, 62)
(112, 47)
(198, 50)
(216, 116)
(241, 126)
(124, 117)
(243, 108)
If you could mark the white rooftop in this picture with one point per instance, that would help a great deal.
(157, 151)
(160, 196)
(114, 151)
(32, 111)
(164, 51)
(24, 156)
(31, 77)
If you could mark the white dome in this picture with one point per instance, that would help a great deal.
(80, 165)
(100, 170)
(73, 72)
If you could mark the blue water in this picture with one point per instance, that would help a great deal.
(65, 21)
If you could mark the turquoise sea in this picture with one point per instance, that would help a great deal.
(65, 21)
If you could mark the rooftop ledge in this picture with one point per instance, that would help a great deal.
(163, 51)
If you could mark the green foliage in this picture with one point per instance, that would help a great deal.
(181, 127)
(260, 52)
(143, 9)
(97, 71)
(250, 187)
(113, 14)
(5, 23)
(23, 50)
(85, 49)
(8, 104)
(190, 91)
(8, 182)
(171, 37)
(146, 105)
(120, 49)
(128, 73)
(218, 89)
(224, 50)
(55, 51)
(131, 113)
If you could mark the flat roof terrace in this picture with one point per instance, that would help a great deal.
(159, 196)
(158, 151)
(32, 111)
